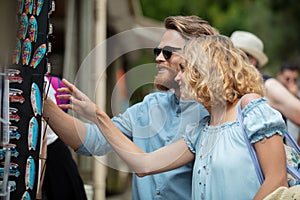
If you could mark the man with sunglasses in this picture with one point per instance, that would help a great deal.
(161, 118)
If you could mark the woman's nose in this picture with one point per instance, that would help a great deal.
(178, 76)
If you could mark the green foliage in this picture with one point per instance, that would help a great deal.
(276, 22)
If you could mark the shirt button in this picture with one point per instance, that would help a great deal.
(158, 192)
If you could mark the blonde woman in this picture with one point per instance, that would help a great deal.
(218, 76)
(158, 120)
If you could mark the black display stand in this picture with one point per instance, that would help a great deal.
(25, 111)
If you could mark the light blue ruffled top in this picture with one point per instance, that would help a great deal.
(223, 167)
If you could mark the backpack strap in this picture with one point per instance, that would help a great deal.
(249, 145)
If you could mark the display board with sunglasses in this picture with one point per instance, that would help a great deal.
(25, 75)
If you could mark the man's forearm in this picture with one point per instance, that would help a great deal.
(69, 129)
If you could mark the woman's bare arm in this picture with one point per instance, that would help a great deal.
(69, 129)
(163, 159)
(271, 156)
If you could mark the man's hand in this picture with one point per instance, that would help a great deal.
(293, 88)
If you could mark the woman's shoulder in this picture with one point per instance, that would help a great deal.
(256, 106)
(252, 97)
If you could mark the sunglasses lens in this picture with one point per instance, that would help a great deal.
(167, 51)
(156, 51)
(167, 54)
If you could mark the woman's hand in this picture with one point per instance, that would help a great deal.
(79, 102)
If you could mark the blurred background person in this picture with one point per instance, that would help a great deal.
(288, 75)
(277, 94)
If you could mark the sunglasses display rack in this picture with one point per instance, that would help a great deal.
(5, 153)
(22, 89)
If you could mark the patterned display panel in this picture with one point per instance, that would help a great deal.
(26, 87)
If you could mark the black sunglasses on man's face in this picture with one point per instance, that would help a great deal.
(167, 51)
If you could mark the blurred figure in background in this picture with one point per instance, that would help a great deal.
(288, 76)
(278, 96)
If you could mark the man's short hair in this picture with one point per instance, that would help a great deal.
(190, 26)
(289, 66)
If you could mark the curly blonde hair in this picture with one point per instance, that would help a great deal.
(217, 73)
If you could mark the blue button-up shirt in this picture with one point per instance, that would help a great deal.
(160, 119)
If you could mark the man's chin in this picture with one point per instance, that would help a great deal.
(165, 87)
(161, 87)
(165, 84)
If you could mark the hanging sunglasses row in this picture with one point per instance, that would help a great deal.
(26, 51)
(22, 88)
(28, 34)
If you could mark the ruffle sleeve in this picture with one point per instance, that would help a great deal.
(260, 120)
(192, 133)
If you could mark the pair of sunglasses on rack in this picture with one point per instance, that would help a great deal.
(167, 51)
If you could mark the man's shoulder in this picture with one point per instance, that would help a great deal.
(273, 83)
(158, 96)
(266, 77)
(154, 98)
